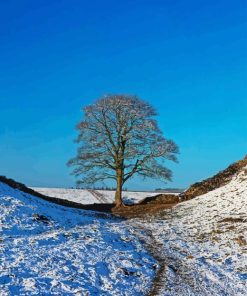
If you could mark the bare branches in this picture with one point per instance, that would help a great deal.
(119, 138)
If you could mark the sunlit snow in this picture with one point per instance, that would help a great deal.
(204, 242)
(46, 249)
(85, 196)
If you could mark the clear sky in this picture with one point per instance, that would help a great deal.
(187, 58)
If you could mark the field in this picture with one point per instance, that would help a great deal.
(84, 196)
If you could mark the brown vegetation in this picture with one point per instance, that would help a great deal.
(150, 205)
(241, 241)
(138, 210)
(218, 180)
(62, 202)
(233, 220)
(160, 199)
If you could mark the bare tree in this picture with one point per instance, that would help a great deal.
(119, 138)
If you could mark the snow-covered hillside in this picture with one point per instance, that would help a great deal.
(46, 249)
(204, 242)
(84, 196)
(200, 244)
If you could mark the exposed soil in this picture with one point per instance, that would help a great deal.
(63, 202)
(218, 180)
(155, 249)
(148, 206)
(233, 220)
(151, 205)
(162, 198)
(139, 210)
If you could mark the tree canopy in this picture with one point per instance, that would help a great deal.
(119, 138)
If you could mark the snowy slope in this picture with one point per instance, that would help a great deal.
(46, 249)
(204, 242)
(84, 196)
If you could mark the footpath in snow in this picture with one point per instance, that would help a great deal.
(202, 242)
(200, 246)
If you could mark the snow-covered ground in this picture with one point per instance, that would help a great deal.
(84, 196)
(204, 242)
(46, 249)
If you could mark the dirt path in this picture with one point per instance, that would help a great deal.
(156, 251)
(166, 263)
(127, 212)
(141, 210)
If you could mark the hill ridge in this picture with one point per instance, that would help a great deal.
(220, 179)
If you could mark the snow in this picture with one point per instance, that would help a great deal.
(204, 248)
(46, 249)
(85, 196)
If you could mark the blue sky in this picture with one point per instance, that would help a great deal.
(187, 58)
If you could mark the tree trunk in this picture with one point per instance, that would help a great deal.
(118, 193)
